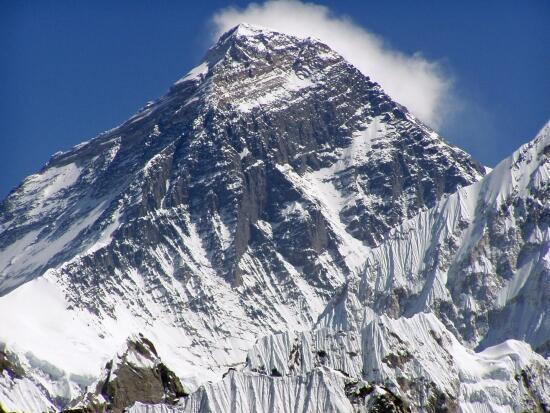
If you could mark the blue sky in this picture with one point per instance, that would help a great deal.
(73, 69)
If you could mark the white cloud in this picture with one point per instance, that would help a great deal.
(413, 81)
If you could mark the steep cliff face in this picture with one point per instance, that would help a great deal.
(231, 207)
(220, 150)
(273, 188)
(395, 338)
(479, 259)
(417, 360)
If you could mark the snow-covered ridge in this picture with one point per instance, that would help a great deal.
(236, 206)
(416, 360)
(493, 230)
(526, 169)
(409, 350)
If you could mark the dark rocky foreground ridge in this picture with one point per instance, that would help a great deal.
(276, 188)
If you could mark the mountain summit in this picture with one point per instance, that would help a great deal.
(245, 202)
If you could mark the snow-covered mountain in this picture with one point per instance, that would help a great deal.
(384, 343)
(480, 259)
(277, 192)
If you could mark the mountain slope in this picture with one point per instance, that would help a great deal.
(231, 207)
(410, 357)
(479, 259)
(411, 364)
(274, 188)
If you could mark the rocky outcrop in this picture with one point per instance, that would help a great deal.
(135, 375)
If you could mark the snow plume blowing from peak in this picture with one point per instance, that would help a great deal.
(412, 81)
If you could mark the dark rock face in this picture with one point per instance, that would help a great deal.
(389, 403)
(138, 375)
(374, 399)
